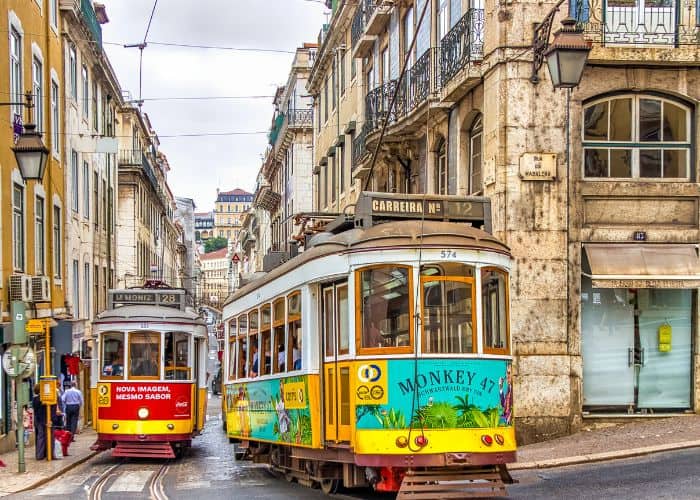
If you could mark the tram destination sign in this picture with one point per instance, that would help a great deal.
(373, 208)
(164, 298)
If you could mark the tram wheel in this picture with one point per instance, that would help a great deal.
(330, 486)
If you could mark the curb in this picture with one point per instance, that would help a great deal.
(601, 457)
(56, 474)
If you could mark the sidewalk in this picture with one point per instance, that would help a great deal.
(597, 442)
(40, 472)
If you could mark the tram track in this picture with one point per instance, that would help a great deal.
(155, 490)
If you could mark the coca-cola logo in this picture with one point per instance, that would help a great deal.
(182, 404)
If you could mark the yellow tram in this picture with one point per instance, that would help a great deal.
(149, 385)
(381, 354)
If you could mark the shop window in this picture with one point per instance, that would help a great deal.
(448, 309)
(278, 349)
(294, 345)
(385, 308)
(113, 355)
(637, 137)
(144, 355)
(177, 356)
(494, 303)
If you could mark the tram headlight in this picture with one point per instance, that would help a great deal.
(143, 413)
(402, 441)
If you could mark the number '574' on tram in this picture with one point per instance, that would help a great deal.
(381, 354)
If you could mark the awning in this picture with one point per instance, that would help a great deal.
(643, 265)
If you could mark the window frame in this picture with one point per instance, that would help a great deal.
(635, 145)
(85, 79)
(40, 235)
(160, 355)
(410, 348)
(476, 130)
(16, 73)
(102, 365)
(55, 117)
(291, 318)
(38, 90)
(73, 72)
(506, 276)
(57, 248)
(19, 231)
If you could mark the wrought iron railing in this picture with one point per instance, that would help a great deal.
(300, 118)
(91, 20)
(364, 11)
(377, 105)
(462, 44)
(651, 25)
(359, 150)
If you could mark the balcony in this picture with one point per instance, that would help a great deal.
(371, 17)
(266, 198)
(663, 25)
(300, 118)
(90, 19)
(359, 152)
(137, 158)
(463, 44)
(420, 82)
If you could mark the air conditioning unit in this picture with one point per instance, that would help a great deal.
(41, 289)
(20, 287)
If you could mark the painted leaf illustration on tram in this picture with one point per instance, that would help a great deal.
(439, 415)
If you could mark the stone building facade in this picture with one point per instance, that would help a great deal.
(228, 210)
(595, 190)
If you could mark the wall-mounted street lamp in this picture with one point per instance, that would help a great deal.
(30, 152)
(567, 54)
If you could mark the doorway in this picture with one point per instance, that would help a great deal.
(636, 347)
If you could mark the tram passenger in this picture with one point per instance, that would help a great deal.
(148, 367)
(296, 354)
(115, 367)
(254, 370)
(281, 357)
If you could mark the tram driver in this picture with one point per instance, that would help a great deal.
(115, 366)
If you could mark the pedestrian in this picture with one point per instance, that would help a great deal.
(73, 400)
(40, 422)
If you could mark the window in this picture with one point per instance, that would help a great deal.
(53, 12)
(95, 114)
(177, 356)
(76, 289)
(86, 92)
(96, 299)
(341, 63)
(86, 287)
(334, 83)
(112, 361)
(18, 227)
(441, 169)
(384, 312)
(265, 340)
(73, 72)
(57, 243)
(86, 190)
(95, 198)
(334, 174)
(75, 180)
(232, 334)
(386, 67)
(636, 136)
(242, 347)
(16, 71)
(408, 34)
(278, 323)
(55, 121)
(253, 354)
(325, 101)
(294, 347)
(144, 355)
(494, 302)
(448, 309)
(38, 89)
(39, 237)
(475, 154)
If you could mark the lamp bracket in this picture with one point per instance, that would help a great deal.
(540, 41)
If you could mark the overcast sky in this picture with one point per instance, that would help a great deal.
(201, 164)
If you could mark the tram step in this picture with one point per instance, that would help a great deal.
(146, 450)
(452, 483)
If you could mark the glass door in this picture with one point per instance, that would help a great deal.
(335, 317)
(665, 340)
(607, 346)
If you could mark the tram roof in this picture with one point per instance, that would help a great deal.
(149, 313)
(402, 234)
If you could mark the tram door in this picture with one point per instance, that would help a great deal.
(197, 380)
(337, 365)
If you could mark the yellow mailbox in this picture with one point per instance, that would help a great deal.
(47, 389)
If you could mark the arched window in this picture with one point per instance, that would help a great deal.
(636, 136)
(475, 154)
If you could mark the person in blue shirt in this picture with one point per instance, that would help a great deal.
(73, 400)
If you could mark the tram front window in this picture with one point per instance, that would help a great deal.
(385, 307)
(447, 316)
(177, 356)
(494, 300)
(144, 355)
(113, 355)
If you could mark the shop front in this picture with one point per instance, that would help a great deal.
(638, 322)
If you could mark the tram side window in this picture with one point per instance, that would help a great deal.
(177, 356)
(144, 355)
(232, 335)
(113, 355)
(294, 347)
(253, 355)
(494, 300)
(385, 307)
(278, 322)
(265, 340)
(242, 347)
